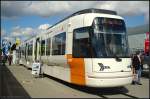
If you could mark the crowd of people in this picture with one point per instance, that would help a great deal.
(9, 54)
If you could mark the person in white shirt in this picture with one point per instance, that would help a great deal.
(13, 48)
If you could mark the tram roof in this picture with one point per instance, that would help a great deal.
(91, 10)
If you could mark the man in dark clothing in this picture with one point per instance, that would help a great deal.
(13, 47)
(137, 63)
(9, 57)
(133, 70)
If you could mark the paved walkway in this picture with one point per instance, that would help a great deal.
(9, 85)
(18, 81)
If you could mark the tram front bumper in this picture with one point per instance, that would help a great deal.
(108, 82)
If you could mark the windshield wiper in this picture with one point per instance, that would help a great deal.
(116, 57)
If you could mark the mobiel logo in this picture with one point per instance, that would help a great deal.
(102, 67)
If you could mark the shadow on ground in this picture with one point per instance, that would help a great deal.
(145, 74)
(9, 86)
(96, 91)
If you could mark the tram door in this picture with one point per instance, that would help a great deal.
(37, 50)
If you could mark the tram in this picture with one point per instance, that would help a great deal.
(87, 48)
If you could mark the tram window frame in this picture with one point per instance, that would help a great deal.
(30, 48)
(26, 51)
(19, 51)
(43, 47)
(56, 48)
(48, 46)
(81, 43)
(23, 50)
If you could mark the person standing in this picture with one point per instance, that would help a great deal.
(9, 54)
(9, 57)
(13, 48)
(137, 63)
(133, 70)
(4, 55)
(5, 51)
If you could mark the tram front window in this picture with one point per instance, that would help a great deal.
(109, 45)
(105, 38)
(109, 38)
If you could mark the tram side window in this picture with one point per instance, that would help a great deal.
(81, 43)
(19, 52)
(59, 44)
(22, 51)
(26, 50)
(48, 46)
(30, 47)
(43, 47)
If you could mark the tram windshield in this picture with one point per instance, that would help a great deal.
(105, 38)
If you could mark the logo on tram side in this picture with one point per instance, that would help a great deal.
(102, 67)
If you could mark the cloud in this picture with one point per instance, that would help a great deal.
(9, 39)
(27, 32)
(11, 9)
(127, 8)
(40, 8)
(46, 8)
(44, 26)
(3, 32)
(23, 32)
(15, 9)
(4, 36)
(18, 31)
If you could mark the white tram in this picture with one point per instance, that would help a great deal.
(88, 48)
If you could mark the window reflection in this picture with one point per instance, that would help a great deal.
(59, 44)
(48, 46)
(81, 43)
(30, 48)
(43, 47)
(105, 38)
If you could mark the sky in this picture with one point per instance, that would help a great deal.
(23, 19)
